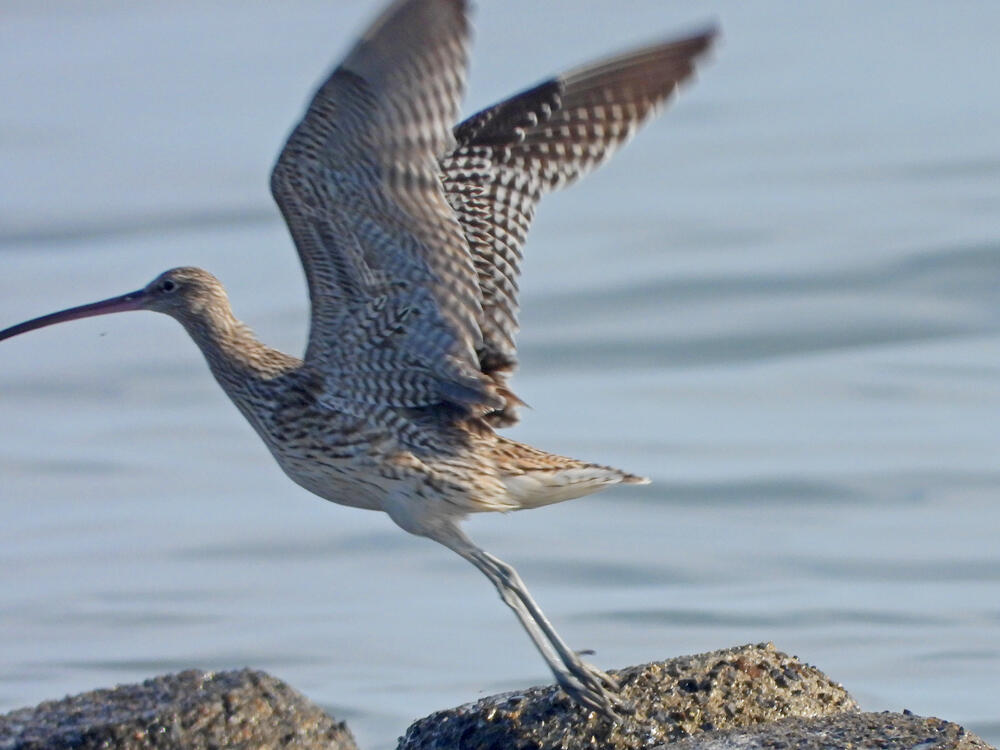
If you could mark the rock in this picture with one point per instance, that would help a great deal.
(733, 688)
(886, 731)
(190, 710)
(744, 698)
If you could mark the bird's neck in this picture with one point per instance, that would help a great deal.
(242, 364)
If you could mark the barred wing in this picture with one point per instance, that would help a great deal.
(512, 153)
(395, 295)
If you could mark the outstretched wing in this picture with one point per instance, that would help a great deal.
(395, 296)
(512, 153)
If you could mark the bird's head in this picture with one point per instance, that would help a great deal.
(182, 293)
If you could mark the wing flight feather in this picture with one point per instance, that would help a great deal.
(411, 231)
(395, 296)
(509, 155)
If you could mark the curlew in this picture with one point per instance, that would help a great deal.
(410, 232)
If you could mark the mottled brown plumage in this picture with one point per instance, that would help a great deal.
(410, 234)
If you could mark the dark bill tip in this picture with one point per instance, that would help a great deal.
(130, 301)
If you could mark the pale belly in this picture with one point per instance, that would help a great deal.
(340, 482)
(375, 473)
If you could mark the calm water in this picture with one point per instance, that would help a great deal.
(782, 302)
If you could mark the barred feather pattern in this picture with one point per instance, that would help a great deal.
(512, 153)
(411, 232)
(396, 301)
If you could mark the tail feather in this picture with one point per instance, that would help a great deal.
(533, 478)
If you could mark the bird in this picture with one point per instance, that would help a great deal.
(410, 231)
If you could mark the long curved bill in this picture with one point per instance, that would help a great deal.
(131, 301)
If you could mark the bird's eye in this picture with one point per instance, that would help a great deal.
(168, 286)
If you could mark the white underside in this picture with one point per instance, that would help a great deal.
(537, 488)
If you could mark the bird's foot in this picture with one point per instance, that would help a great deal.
(594, 689)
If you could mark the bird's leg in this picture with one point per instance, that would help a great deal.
(587, 673)
(586, 684)
(564, 651)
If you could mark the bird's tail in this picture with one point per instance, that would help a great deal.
(533, 478)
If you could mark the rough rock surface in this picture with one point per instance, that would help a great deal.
(744, 698)
(673, 699)
(191, 710)
(886, 731)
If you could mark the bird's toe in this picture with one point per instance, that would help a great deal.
(594, 689)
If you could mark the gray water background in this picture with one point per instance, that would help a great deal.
(781, 302)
